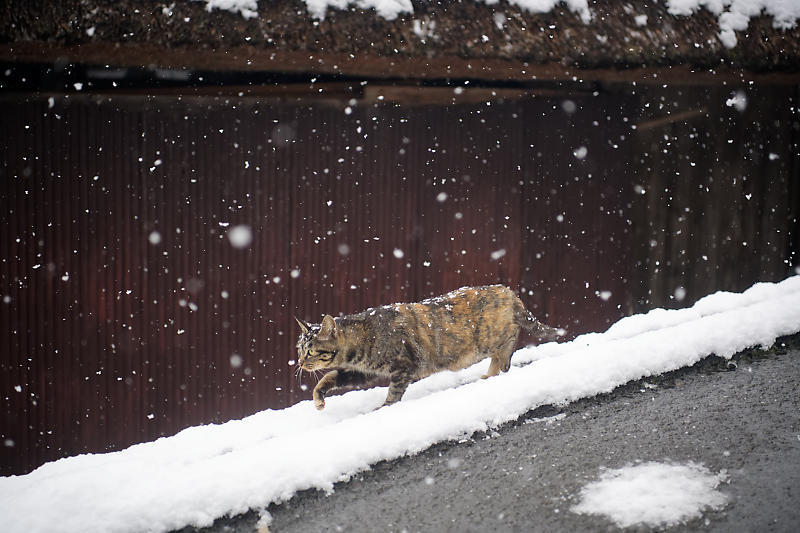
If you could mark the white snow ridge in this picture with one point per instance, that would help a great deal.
(206, 472)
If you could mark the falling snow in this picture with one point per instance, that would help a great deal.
(240, 236)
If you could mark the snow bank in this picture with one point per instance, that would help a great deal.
(206, 472)
(652, 494)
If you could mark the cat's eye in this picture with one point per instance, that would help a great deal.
(312, 353)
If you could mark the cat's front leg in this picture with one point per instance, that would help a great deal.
(333, 379)
(327, 382)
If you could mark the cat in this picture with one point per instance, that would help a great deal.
(407, 342)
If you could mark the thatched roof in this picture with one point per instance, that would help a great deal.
(446, 38)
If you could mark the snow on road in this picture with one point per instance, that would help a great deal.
(652, 494)
(205, 472)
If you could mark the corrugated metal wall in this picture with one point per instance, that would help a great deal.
(128, 313)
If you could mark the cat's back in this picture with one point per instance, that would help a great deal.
(464, 304)
(469, 303)
(464, 316)
(455, 328)
(450, 331)
(492, 303)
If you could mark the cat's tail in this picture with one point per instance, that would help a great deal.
(541, 331)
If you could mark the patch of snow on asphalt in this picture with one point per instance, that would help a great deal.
(652, 494)
(206, 472)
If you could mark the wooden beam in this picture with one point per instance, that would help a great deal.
(250, 59)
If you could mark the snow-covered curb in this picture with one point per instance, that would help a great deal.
(208, 471)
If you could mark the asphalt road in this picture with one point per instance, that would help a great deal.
(526, 475)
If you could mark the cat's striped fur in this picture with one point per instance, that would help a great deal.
(406, 342)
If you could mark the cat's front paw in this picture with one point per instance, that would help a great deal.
(319, 403)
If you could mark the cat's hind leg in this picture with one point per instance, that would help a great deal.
(403, 373)
(501, 358)
(397, 386)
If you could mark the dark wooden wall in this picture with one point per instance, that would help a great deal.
(721, 198)
(111, 336)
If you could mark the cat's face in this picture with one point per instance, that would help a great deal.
(318, 345)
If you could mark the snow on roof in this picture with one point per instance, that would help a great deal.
(735, 15)
(206, 472)
(483, 39)
(247, 8)
(732, 15)
(390, 9)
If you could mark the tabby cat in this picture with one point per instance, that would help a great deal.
(406, 342)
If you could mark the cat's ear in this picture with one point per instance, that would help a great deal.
(303, 325)
(328, 328)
